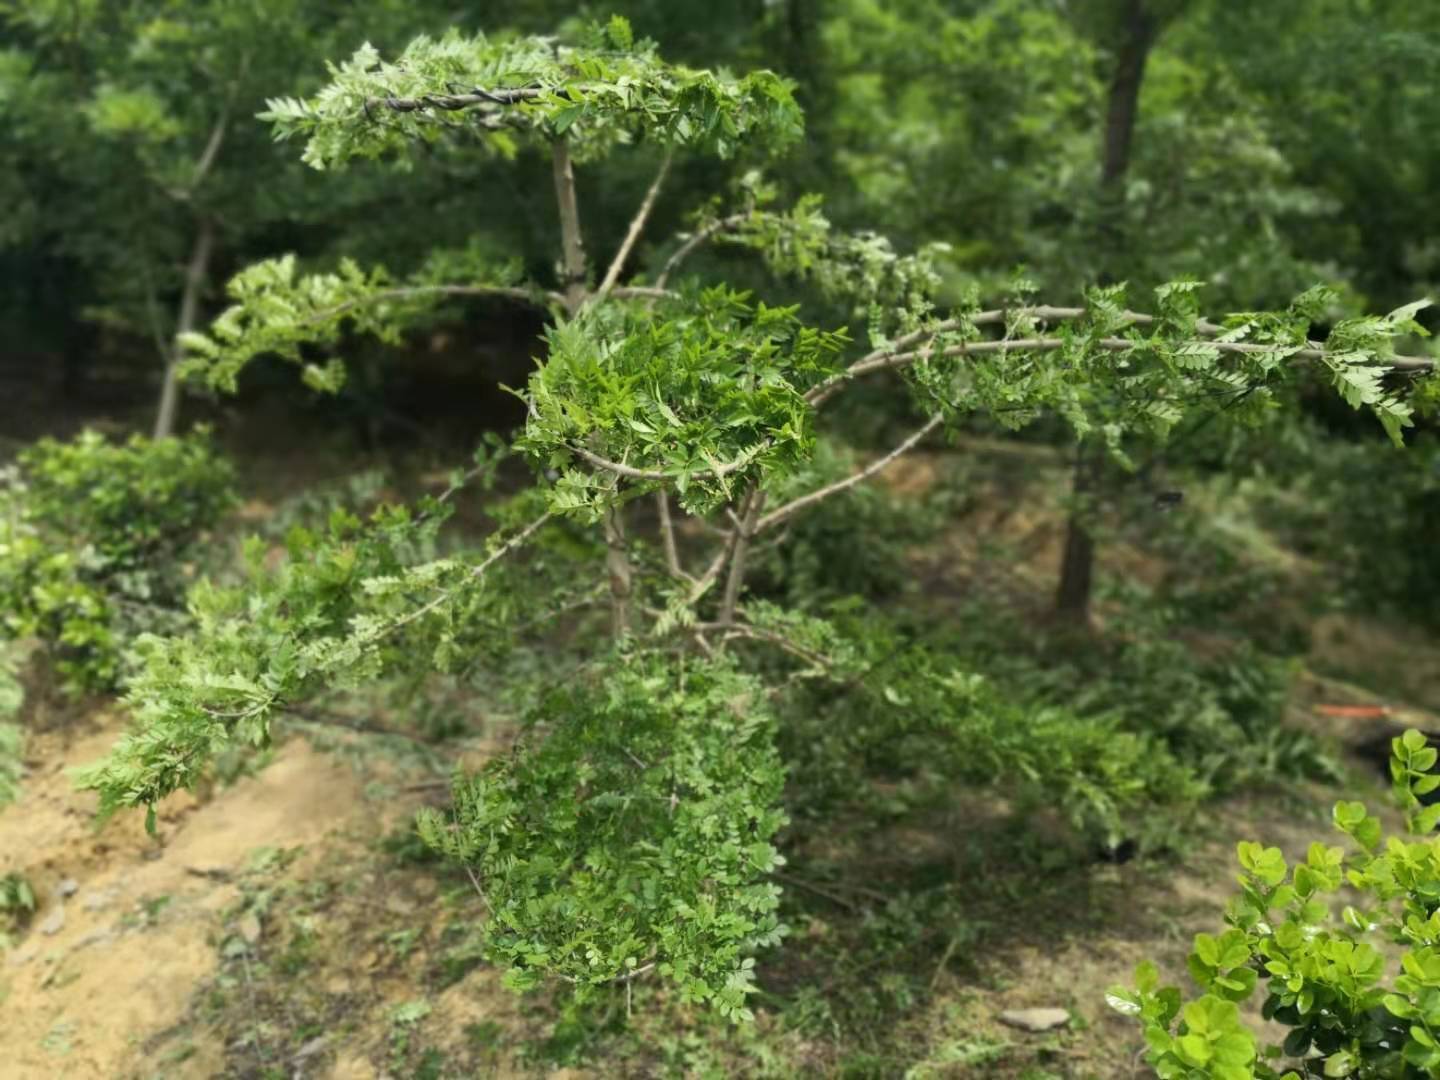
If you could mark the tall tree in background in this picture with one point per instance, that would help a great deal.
(143, 163)
(1136, 33)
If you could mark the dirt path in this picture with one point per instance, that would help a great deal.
(127, 925)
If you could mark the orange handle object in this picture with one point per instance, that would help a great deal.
(1361, 712)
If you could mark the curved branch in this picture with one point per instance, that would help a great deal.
(637, 226)
(701, 237)
(781, 513)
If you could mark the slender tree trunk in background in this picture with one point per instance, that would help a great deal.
(1077, 563)
(195, 274)
(1140, 28)
(1122, 108)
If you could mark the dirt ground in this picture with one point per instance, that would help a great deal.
(132, 932)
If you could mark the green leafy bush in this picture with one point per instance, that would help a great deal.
(1359, 992)
(631, 831)
(1218, 705)
(914, 711)
(94, 537)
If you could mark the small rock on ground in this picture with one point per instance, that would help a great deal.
(56, 922)
(1036, 1020)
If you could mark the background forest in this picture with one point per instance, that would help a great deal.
(781, 538)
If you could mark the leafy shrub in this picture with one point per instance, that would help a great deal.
(1219, 710)
(913, 710)
(631, 831)
(1329, 980)
(93, 539)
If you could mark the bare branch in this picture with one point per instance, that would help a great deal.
(457, 102)
(642, 292)
(779, 515)
(712, 572)
(698, 239)
(617, 565)
(743, 533)
(637, 226)
(667, 536)
(211, 151)
(195, 273)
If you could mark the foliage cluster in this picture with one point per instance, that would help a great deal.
(1351, 1009)
(96, 539)
(634, 835)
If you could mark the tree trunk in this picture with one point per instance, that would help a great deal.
(572, 240)
(1140, 28)
(617, 557)
(1077, 563)
(195, 274)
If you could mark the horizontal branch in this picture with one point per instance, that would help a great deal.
(457, 102)
(1114, 344)
(901, 352)
(629, 472)
(780, 514)
(642, 292)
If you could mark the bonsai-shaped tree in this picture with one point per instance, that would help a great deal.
(632, 830)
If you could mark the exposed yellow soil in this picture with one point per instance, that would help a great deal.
(103, 970)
